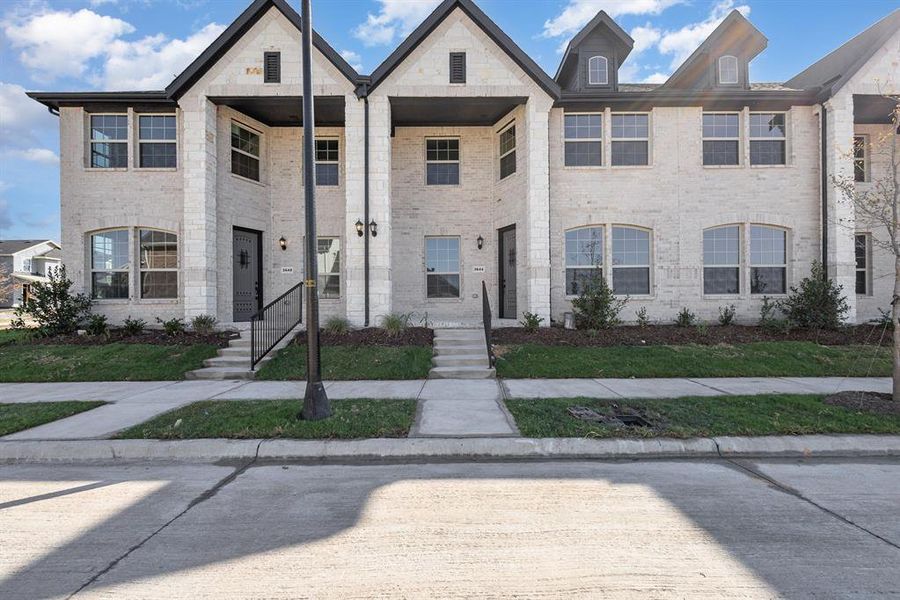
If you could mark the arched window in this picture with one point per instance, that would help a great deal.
(728, 69)
(584, 257)
(631, 260)
(722, 260)
(768, 260)
(598, 70)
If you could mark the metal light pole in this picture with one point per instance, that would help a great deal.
(315, 401)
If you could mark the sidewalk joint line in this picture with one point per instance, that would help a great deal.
(237, 387)
(710, 387)
(599, 382)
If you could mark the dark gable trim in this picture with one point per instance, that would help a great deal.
(490, 28)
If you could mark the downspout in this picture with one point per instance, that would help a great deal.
(366, 203)
(824, 168)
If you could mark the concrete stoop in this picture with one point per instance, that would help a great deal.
(233, 362)
(460, 354)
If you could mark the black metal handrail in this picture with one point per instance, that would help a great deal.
(274, 321)
(486, 317)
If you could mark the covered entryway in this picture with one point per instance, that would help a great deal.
(247, 269)
(507, 272)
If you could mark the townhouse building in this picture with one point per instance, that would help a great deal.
(459, 167)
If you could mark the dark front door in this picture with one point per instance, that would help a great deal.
(247, 267)
(507, 273)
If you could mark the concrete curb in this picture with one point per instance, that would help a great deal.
(809, 446)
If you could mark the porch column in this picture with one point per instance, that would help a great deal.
(380, 289)
(841, 222)
(537, 211)
(198, 235)
(354, 183)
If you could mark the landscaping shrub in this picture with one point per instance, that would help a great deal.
(642, 319)
(396, 323)
(726, 315)
(771, 316)
(596, 307)
(531, 321)
(53, 307)
(817, 303)
(337, 325)
(97, 325)
(173, 326)
(884, 319)
(685, 318)
(133, 326)
(203, 324)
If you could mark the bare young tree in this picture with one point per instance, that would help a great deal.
(878, 205)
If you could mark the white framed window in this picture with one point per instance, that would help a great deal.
(630, 140)
(598, 70)
(860, 158)
(768, 139)
(728, 70)
(158, 263)
(108, 141)
(328, 256)
(109, 264)
(584, 258)
(508, 151)
(863, 243)
(157, 145)
(442, 267)
(244, 152)
(722, 260)
(327, 161)
(442, 161)
(768, 260)
(583, 139)
(721, 139)
(630, 261)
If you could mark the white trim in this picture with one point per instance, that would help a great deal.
(737, 138)
(141, 142)
(458, 273)
(604, 71)
(457, 162)
(580, 140)
(737, 76)
(507, 127)
(613, 139)
(92, 140)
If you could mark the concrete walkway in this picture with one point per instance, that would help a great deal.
(447, 408)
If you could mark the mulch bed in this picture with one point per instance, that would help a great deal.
(657, 335)
(373, 336)
(151, 336)
(875, 402)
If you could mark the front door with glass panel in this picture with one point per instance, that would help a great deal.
(507, 263)
(247, 263)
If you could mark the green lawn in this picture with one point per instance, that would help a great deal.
(352, 362)
(771, 414)
(761, 359)
(350, 419)
(109, 362)
(16, 417)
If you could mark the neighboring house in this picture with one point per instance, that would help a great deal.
(23, 263)
(474, 165)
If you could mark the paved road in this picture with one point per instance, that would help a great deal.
(662, 529)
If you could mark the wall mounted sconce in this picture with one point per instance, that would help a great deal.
(373, 228)
(282, 242)
(480, 242)
(359, 228)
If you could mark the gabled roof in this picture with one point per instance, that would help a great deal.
(237, 29)
(834, 70)
(601, 18)
(9, 247)
(490, 28)
(755, 43)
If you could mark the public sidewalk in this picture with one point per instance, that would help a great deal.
(446, 407)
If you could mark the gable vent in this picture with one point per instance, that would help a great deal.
(272, 67)
(457, 67)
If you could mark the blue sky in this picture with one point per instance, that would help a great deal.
(141, 44)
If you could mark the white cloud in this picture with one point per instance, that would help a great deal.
(577, 13)
(40, 155)
(644, 37)
(102, 2)
(21, 118)
(396, 18)
(57, 43)
(353, 58)
(154, 61)
(655, 78)
(682, 42)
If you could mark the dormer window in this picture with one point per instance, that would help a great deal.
(728, 70)
(598, 71)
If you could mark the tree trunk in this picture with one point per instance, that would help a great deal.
(895, 322)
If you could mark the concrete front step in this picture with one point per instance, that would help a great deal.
(459, 342)
(463, 334)
(457, 350)
(461, 373)
(228, 361)
(461, 360)
(240, 351)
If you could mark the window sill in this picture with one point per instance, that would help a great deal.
(769, 166)
(714, 167)
(508, 177)
(584, 168)
(630, 167)
(111, 301)
(247, 179)
(444, 300)
(157, 169)
(157, 301)
(106, 169)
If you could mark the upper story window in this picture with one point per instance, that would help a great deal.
(768, 260)
(584, 258)
(158, 264)
(630, 140)
(442, 267)
(721, 138)
(327, 157)
(244, 152)
(598, 70)
(722, 260)
(157, 147)
(109, 141)
(329, 261)
(442, 161)
(631, 260)
(271, 67)
(508, 151)
(728, 70)
(860, 158)
(582, 134)
(768, 139)
(109, 264)
(863, 251)
(457, 67)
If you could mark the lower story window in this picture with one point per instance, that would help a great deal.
(329, 264)
(442, 267)
(768, 260)
(862, 263)
(584, 258)
(158, 264)
(631, 260)
(722, 260)
(109, 264)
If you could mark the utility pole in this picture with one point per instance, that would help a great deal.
(315, 401)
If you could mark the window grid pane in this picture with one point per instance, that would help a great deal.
(859, 158)
(632, 153)
(767, 125)
(244, 140)
(328, 258)
(579, 278)
(630, 126)
(442, 267)
(767, 152)
(862, 264)
(158, 155)
(721, 125)
(109, 127)
(583, 154)
(598, 70)
(584, 247)
(156, 127)
(721, 260)
(109, 262)
(581, 127)
(768, 260)
(728, 70)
